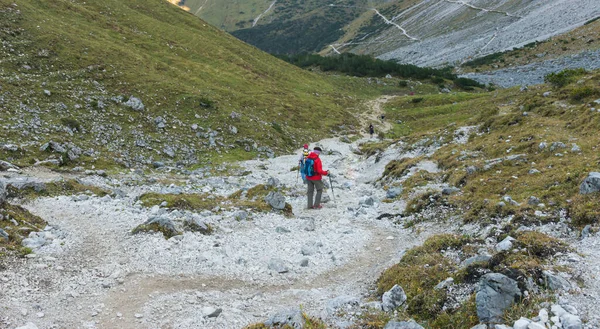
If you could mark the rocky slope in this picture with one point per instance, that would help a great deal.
(427, 33)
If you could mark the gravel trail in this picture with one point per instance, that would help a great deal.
(97, 275)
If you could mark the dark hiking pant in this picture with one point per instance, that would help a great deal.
(312, 185)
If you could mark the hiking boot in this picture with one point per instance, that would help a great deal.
(317, 207)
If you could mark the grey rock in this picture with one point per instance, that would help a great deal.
(556, 282)
(476, 259)
(169, 151)
(534, 325)
(195, 224)
(280, 229)
(570, 309)
(533, 171)
(450, 190)
(3, 193)
(480, 326)
(575, 148)
(135, 104)
(547, 94)
(393, 298)
(240, 215)
(164, 222)
(522, 323)
(533, 201)
(570, 321)
(591, 184)
(367, 201)
(308, 250)
(501, 326)
(495, 293)
(557, 145)
(47, 92)
(510, 200)
(272, 181)
(585, 233)
(505, 245)
(446, 283)
(471, 170)
(4, 235)
(543, 145)
(233, 130)
(393, 192)
(211, 312)
(402, 325)
(277, 265)
(275, 200)
(5, 165)
(335, 304)
(304, 262)
(292, 318)
(158, 164)
(310, 225)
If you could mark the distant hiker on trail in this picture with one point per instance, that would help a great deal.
(371, 130)
(314, 173)
(382, 117)
(302, 160)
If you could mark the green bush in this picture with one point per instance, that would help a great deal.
(563, 78)
(402, 83)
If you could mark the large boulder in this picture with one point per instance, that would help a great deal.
(393, 298)
(402, 325)
(292, 318)
(555, 282)
(275, 200)
(570, 321)
(591, 184)
(495, 293)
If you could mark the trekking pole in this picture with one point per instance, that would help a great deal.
(331, 185)
(297, 174)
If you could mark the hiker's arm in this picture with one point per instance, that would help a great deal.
(319, 168)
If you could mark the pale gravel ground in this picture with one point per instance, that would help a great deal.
(99, 270)
(99, 276)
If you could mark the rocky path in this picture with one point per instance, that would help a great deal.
(96, 275)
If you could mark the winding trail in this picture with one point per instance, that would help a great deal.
(100, 276)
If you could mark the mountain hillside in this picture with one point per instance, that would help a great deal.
(428, 32)
(141, 82)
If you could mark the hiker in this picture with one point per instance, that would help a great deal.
(371, 130)
(314, 170)
(382, 117)
(302, 160)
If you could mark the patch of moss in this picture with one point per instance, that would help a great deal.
(57, 188)
(372, 320)
(399, 168)
(154, 227)
(584, 210)
(27, 222)
(419, 271)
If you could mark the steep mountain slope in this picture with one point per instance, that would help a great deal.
(141, 81)
(423, 32)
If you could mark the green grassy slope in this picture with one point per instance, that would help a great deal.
(68, 67)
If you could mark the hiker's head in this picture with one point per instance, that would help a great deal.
(306, 146)
(317, 150)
